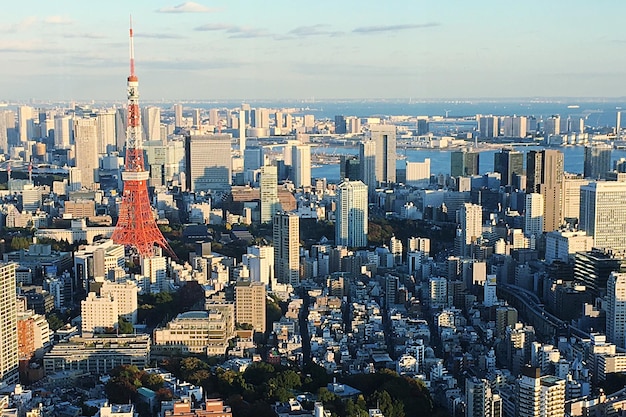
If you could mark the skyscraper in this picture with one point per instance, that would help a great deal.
(106, 131)
(62, 132)
(351, 215)
(340, 124)
(603, 213)
(250, 304)
(488, 126)
(570, 196)
(178, 115)
(269, 193)
(86, 141)
(515, 126)
(552, 125)
(544, 175)
(385, 138)
(253, 158)
(367, 162)
(509, 163)
(470, 226)
(25, 115)
(597, 161)
(208, 163)
(8, 330)
(301, 165)
(616, 309)
(418, 173)
(287, 248)
(464, 163)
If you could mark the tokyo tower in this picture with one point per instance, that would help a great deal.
(136, 225)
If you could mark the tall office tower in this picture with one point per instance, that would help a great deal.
(470, 225)
(418, 173)
(260, 117)
(287, 248)
(603, 213)
(618, 124)
(464, 163)
(86, 142)
(488, 126)
(178, 115)
(62, 132)
(340, 124)
(597, 161)
(279, 120)
(540, 396)
(385, 138)
(570, 197)
(349, 167)
(616, 309)
(594, 267)
(151, 122)
(253, 158)
(480, 399)
(269, 193)
(575, 125)
(5, 120)
(288, 122)
(214, 117)
(301, 165)
(250, 304)
(353, 125)
(351, 215)
(552, 125)
(514, 126)
(242, 132)
(367, 161)
(106, 131)
(533, 215)
(24, 115)
(245, 111)
(544, 175)
(196, 118)
(136, 225)
(8, 330)
(208, 163)
(509, 163)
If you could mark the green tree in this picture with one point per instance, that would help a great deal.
(124, 326)
(382, 400)
(152, 381)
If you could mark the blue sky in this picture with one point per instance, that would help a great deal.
(250, 49)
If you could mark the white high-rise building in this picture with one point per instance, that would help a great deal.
(603, 213)
(151, 122)
(562, 245)
(7, 121)
(418, 173)
(269, 193)
(540, 396)
(25, 115)
(99, 314)
(616, 309)
(208, 162)
(470, 224)
(533, 214)
(178, 115)
(367, 161)
(250, 304)
(8, 331)
(301, 166)
(260, 263)
(385, 138)
(125, 294)
(155, 268)
(351, 215)
(287, 248)
(86, 142)
(570, 196)
(106, 131)
(490, 298)
(62, 132)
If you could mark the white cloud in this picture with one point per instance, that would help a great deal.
(187, 7)
(57, 20)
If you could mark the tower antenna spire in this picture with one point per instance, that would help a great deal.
(132, 49)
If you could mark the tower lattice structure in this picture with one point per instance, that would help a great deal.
(136, 225)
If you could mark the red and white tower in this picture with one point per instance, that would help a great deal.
(136, 225)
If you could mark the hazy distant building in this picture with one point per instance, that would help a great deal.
(208, 162)
(287, 248)
(514, 126)
(385, 138)
(62, 132)
(253, 158)
(178, 115)
(552, 125)
(86, 142)
(106, 131)
(351, 214)
(464, 163)
(570, 197)
(340, 124)
(418, 173)
(597, 161)
(488, 126)
(151, 122)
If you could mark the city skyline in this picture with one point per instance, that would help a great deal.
(215, 50)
